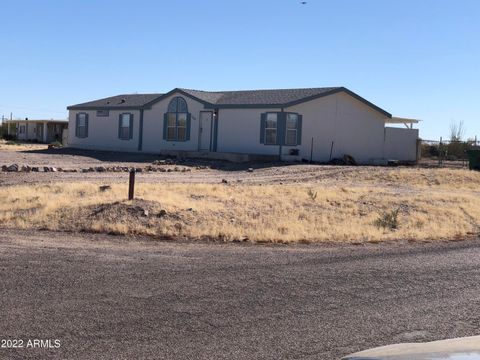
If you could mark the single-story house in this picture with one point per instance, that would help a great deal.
(42, 131)
(289, 124)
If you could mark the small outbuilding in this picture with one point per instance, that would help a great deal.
(42, 131)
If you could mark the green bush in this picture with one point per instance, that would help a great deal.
(388, 220)
(56, 144)
(429, 150)
(457, 149)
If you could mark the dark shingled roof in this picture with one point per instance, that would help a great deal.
(124, 101)
(258, 97)
(224, 99)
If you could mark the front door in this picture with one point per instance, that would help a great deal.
(206, 119)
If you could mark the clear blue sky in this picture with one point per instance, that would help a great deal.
(414, 58)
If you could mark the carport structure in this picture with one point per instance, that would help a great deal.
(43, 131)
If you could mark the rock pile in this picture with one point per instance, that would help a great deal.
(148, 168)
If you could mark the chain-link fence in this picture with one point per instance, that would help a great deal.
(446, 152)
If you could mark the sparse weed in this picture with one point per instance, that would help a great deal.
(388, 220)
(312, 194)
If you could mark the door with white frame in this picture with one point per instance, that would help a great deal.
(205, 133)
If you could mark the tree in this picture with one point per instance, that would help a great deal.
(457, 130)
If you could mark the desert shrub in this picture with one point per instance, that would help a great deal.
(388, 220)
(344, 160)
(457, 149)
(9, 137)
(56, 144)
(312, 194)
(429, 150)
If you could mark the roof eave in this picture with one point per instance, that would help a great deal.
(243, 106)
(78, 107)
(366, 102)
(35, 120)
(209, 105)
(338, 90)
(170, 93)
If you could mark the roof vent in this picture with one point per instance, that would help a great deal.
(123, 101)
(108, 102)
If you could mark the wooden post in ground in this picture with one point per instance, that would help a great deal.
(131, 185)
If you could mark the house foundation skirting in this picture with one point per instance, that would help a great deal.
(233, 157)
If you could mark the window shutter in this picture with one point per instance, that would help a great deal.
(120, 126)
(263, 119)
(165, 122)
(281, 126)
(86, 125)
(299, 130)
(76, 125)
(189, 123)
(130, 133)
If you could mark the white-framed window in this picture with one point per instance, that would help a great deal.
(291, 128)
(81, 130)
(271, 129)
(172, 127)
(125, 126)
(177, 120)
(182, 126)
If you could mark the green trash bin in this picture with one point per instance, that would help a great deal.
(474, 159)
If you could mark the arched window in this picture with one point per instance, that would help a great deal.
(177, 121)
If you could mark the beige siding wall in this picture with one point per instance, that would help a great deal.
(239, 132)
(153, 127)
(103, 131)
(401, 144)
(21, 136)
(353, 127)
(29, 133)
(32, 128)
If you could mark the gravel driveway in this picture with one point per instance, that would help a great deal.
(201, 171)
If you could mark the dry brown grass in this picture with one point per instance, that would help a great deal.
(402, 177)
(19, 146)
(436, 204)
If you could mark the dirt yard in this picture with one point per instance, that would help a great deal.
(238, 202)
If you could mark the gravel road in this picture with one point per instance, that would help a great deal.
(109, 297)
